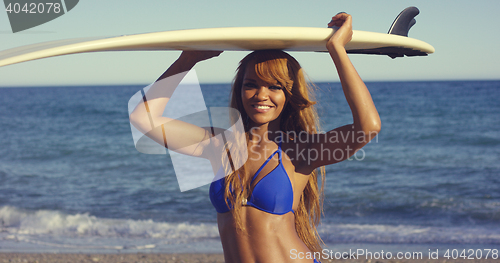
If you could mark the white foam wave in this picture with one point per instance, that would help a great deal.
(57, 230)
(46, 222)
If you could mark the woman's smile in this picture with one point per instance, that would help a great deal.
(262, 108)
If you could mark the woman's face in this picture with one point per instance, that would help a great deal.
(263, 102)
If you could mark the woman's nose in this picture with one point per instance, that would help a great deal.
(262, 93)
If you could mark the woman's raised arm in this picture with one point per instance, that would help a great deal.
(147, 116)
(341, 143)
(364, 113)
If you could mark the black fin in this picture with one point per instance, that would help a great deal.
(404, 21)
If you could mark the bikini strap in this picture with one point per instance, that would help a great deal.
(269, 159)
(279, 149)
(263, 165)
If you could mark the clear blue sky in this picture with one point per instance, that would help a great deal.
(464, 33)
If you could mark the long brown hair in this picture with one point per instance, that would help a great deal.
(299, 115)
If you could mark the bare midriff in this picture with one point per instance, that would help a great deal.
(266, 238)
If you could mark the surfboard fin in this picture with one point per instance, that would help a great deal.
(404, 21)
(402, 24)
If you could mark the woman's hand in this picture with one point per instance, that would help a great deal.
(195, 56)
(187, 60)
(344, 32)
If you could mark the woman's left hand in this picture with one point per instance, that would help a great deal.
(344, 32)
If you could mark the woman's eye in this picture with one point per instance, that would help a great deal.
(275, 88)
(249, 85)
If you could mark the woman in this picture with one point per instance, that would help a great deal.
(269, 208)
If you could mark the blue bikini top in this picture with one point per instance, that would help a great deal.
(272, 194)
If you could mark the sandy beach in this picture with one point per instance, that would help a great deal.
(179, 258)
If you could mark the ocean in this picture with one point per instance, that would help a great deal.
(71, 179)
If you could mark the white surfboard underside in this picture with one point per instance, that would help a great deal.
(232, 38)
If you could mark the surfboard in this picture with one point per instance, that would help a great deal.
(232, 38)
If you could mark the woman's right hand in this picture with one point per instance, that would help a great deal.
(187, 60)
(195, 56)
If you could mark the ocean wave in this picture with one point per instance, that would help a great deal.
(15, 221)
